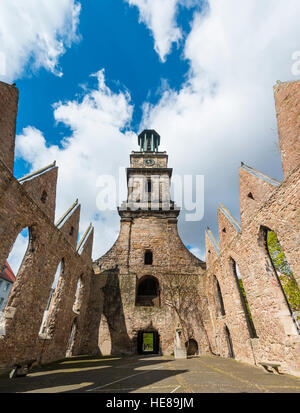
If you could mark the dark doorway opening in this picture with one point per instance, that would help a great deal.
(148, 342)
(191, 347)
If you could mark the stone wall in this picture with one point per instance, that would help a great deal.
(265, 204)
(30, 203)
(119, 272)
(106, 315)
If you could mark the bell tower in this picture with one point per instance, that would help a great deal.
(149, 179)
(147, 255)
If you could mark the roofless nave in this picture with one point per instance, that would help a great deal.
(149, 293)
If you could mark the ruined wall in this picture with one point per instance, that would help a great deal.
(24, 205)
(287, 100)
(8, 114)
(265, 203)
(107, 317)
(120, 271)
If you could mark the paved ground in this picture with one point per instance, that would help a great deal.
(150, 374)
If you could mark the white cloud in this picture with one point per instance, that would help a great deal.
(35, 32)
(96, 147)
(222, 115)
(160, 17)
(225, 112)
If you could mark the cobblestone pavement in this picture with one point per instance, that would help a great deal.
(150, 374)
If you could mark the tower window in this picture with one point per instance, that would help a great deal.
(148, 258)
(149, 186)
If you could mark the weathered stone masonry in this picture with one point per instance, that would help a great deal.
(265, 203)
(30, 203)
(122, 269)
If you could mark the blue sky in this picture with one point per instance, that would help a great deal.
(201, 74)
(111, 38)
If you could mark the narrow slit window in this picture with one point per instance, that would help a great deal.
(148, 258)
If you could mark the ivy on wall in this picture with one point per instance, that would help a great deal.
(284, 271)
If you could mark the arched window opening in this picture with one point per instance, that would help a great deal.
(191, 347)
(219, 298)
(243, 297)
(7, 278)
(44, 329)
(284, 274)
(78, 295)
(148, 257)
(11, 268)
(148, 292)
(72, 339)
(19, 250)
(229, 343)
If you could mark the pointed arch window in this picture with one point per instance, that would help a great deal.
(243, 297)
(219, 298)
(229, 343)
(44, 197)
(284, 275)
(45, 327)
(78, 295)
(23, 244)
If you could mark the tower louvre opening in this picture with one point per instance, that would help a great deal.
(149, 140)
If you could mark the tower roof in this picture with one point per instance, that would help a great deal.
(149, 140)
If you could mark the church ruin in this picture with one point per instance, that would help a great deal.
(148, 291)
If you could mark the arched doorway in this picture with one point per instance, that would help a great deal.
(191, 347)
(148, 342)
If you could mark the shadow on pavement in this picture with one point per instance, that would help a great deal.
(81, 374)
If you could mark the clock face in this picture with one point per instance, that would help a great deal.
(149, 162)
